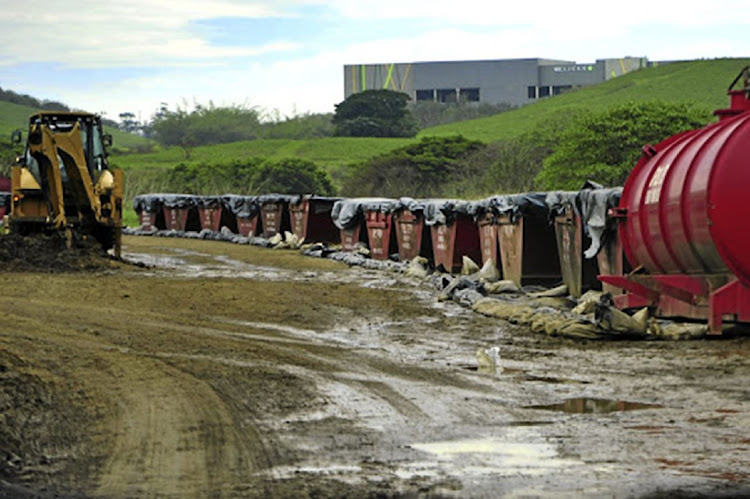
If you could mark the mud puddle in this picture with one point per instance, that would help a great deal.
(584, 405)
(197, 265)
(520, 451)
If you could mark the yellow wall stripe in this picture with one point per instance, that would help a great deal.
(389, 77)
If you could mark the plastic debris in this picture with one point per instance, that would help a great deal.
(488, 360)
(489, 272)
(469, 266)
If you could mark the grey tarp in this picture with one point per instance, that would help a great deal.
(241, 206)
(208, 201)
(147, 203)
(443, 211)
(178, 200)
(346, 213)
(594, 204)
(264, 199)
(591, 204)
(512, 205)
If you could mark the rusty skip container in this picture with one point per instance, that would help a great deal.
(180, 211)
(581, 220)
(351, 215)
(453, 232)
(4, 203)
(311, 220)
(379, 221)
(150, 213)
(274, 212)
(209, 212)
(526, 246)
(412, 234)
(245, 210)
(683, 218)
(348, 217)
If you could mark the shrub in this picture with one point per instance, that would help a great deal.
(605, 146)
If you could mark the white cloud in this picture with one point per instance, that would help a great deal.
(90, 33)
(584, 14)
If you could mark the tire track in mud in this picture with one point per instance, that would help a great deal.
(157, 430)
(174, 436)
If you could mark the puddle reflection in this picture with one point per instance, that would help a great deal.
(583, 405)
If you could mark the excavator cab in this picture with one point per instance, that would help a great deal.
(63, 180)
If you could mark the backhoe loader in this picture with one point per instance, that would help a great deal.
(63, 181)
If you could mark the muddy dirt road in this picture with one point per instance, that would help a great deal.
(232, 371)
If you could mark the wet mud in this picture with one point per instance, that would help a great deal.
(219, 370)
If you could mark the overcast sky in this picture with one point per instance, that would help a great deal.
(115, 56)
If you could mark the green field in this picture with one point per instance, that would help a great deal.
(328, 151)
(703, 83)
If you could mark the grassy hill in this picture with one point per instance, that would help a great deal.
(15, 116)
(329, 151)
(703, 83)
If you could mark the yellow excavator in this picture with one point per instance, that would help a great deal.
(63, 181)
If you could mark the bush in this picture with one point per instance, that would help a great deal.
(431, 167)
(292, 176)
(605, 146)
(250, 176)
(206, 125)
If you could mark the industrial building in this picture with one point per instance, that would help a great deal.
(503, 81)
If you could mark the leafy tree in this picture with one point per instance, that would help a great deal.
(238, 177)
(374, 113)
(292, 176)
(128, 122)
(27, 100)
(604, 146)
(206, 125)
(431, 167)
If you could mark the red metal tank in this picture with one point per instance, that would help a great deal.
(685, 202)
(684, 219)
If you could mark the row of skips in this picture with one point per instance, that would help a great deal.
(533, 238)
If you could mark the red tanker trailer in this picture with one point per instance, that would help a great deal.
(685, 224)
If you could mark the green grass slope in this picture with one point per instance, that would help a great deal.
(703, 83)
(330, 152)
(15, 116)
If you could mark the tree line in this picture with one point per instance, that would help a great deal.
(373, 113)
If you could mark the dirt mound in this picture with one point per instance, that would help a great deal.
(48, 253)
